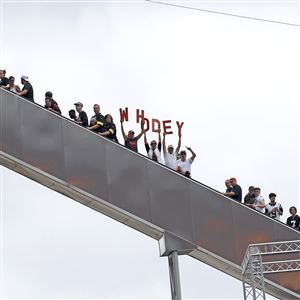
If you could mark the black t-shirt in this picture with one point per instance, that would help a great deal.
(111, 127)
(132, 143)
(294, 223)
(249, 199)
(29, 95)
(238, 193)
(100, 121)
(84, 119)
(4, 81)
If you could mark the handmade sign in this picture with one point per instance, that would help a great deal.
(155, 124)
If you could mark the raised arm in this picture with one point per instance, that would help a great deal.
(159, 136)
(145, 138)
(123, 132)
(179, 142)
(142, 131)
(193, 153)
(164, 143)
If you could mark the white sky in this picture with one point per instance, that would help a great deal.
(235, 84)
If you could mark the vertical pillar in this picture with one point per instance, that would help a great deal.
(174, 275)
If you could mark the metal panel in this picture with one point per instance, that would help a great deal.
(127, 180)
(250, 227)
(170, 203)
(124, 182)
(85, 160)
(10, 139)
(213, 222)
(42, 144)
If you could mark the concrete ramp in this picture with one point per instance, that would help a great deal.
(134, 190)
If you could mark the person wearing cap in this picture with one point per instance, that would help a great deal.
(170, 156)
(82, 118)
(27, 90)
(249, 199)
(273, 209)
(100, 120)
(154, 152)
(131, 141)
(51, 104)
(184, 164)
(236, 193)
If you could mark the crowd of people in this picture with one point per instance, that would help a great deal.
(174, 159)
(256, 201)
(105, 126)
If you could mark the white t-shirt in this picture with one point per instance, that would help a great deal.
(259, 200)
(185, 165)
(275, 214)
(170, 160)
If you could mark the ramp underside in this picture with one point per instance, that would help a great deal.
(136, 191)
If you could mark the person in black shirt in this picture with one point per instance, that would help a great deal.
(110, 130)
(4, 81)
(51, 104)
(100, 120)
(82, 118)
(27, 91)
(249, 199)
(131, 141)
(294, 220)
(236, 193)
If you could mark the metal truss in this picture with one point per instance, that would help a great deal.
(254, 268)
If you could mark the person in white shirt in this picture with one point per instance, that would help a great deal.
(170, 156)
(184, 164)
(274, 209)
(153, 152)
(259, 203)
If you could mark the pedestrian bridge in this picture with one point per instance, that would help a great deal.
(138, 192)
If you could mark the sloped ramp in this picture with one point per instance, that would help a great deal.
(132, 189)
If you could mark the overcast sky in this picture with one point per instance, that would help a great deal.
(233, 82)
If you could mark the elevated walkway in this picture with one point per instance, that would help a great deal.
(134, 190)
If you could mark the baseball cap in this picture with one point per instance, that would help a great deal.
(25, 77)
(131, 132)
(78, 103)
(170, 146)
(233, 179)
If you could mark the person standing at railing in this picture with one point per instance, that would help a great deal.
(154, 152)
(110, 130)
(274, 209)
(82, 118)
(170, 156)
(4, 81)
(27, 90)
(14, 88)
(236, 193)
(100, 120)
(184, 164)
(131, 141)
(228, 186)
(294, 220)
